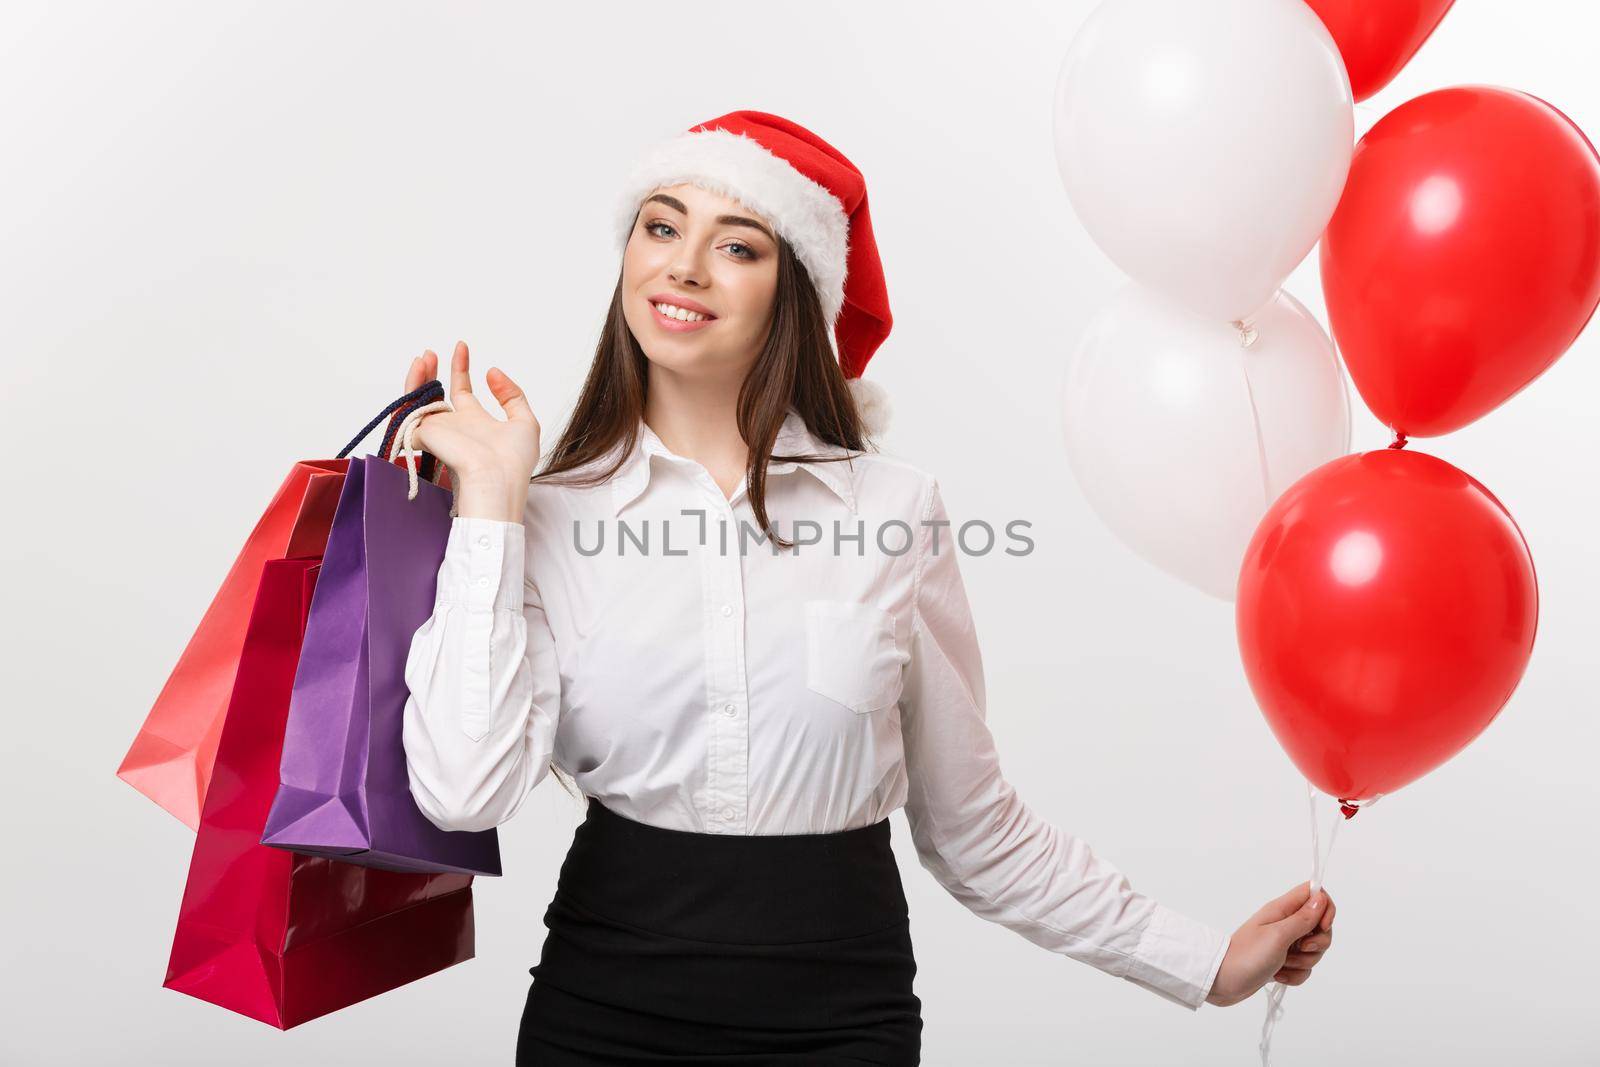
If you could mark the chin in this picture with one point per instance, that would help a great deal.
(676, 354)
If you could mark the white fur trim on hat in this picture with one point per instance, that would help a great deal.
(872, 402)
(804, 212)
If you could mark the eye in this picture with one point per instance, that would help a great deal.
(651, 227)
(748, 253)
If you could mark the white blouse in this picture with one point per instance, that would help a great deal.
(621, 631)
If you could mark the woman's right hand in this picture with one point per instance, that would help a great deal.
(491, 459)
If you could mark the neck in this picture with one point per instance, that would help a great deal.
(698, 419)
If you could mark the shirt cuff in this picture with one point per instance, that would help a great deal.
(483, 565)
(1178, 957)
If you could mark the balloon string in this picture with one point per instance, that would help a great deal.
(1255, 422)
(1319, 871)
(1399, 440)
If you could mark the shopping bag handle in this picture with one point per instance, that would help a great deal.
(406, 412)
(405, 440)
(425, 393)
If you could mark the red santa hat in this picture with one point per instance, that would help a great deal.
(814, 197)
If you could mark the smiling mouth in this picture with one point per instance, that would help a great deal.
(675, 319)
(672, 311)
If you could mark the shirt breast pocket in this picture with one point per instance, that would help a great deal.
(851, 654)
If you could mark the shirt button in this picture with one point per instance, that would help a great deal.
(727, 813)
(729, 708)
(481, 582)
(483, 541)
(727, 609)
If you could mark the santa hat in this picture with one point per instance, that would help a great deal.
(817, 201)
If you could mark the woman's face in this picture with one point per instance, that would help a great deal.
(697, 256)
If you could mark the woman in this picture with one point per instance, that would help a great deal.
(744, 638)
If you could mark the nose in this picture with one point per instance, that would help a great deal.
(687, 268)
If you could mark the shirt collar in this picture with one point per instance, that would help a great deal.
(793, 437)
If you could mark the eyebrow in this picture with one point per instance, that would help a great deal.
(727, 220)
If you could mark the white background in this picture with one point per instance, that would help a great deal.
(225, 229)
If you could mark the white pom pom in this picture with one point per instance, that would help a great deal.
(872, 402)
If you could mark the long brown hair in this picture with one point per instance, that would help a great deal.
(796, 368)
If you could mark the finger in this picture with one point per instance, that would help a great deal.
(1327, 915)
(461, 377)
(1300, 960)
(1302, 922)
(1282, 907)
(1315, 941)
(1288, 977)
(414, 376)
(460, 372)
(430, 366)
(510, 397)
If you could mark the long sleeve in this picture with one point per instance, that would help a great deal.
(983, 843)
(480, 721)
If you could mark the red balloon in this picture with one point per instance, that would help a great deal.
(1378, 37)
(1386, 612)
(1464, 256)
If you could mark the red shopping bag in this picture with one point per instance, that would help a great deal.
(171, 758)
(276, 935)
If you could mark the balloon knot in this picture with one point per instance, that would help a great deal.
(1399, 440)
(1348, 808)
(1247, 333)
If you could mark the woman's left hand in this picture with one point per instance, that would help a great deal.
(1281, 942)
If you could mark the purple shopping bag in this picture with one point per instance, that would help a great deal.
(343, 790)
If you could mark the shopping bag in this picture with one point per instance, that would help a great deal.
(171, 757)
(278, 936)
(344, 786)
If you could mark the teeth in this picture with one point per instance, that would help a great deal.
(681, 314)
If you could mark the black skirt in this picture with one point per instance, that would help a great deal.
(669, 946)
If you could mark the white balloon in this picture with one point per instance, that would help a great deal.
(1181, 436)
(1204, 143)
